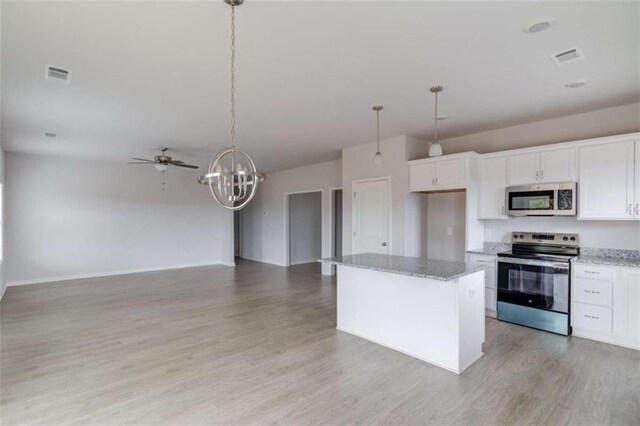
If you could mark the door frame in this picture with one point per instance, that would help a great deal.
(353, 209)
(287, 261)
(332, 223)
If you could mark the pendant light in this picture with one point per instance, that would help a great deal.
(435, 150)
(232, 176)
(377, 158)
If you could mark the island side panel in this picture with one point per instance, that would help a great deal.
(471, 317)
(417, 316)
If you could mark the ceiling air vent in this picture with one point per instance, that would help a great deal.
(568, 57)
(57, 74)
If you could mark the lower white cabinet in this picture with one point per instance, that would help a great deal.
(606, 304)
(490, 290)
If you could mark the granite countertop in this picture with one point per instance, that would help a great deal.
(440, 270)
(609, 257)
(491, 249)
(608, 261)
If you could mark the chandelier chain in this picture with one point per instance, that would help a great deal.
(233, 74)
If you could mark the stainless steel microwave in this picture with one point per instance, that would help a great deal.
(545, 199)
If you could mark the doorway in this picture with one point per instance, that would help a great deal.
(372, 216)
(304, 227)
(336, 220)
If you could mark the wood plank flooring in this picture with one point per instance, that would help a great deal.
(258, 344)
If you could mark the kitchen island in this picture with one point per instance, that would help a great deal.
(432, 310)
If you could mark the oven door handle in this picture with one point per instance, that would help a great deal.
(555, 265)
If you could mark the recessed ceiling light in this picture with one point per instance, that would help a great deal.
(539, 24)
(575, 84)
(50, 135)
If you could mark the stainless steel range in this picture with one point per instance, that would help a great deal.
(534, 280)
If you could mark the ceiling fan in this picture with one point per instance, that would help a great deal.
(162, 162)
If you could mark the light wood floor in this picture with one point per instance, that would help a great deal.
(257, 344)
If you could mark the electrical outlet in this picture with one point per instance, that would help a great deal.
(449, 230)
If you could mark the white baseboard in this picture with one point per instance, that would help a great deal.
(106, 274)
(262, 261)
(303, 262)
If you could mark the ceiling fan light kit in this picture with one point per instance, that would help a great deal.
(232, 176)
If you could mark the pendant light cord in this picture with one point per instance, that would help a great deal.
(233, 74)
(378, 129)
(435, 119)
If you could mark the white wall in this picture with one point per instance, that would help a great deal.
(600, 234)
(305, 227)
(71, 218)
(3, 284)
(357, 163)
(446, 211)
(263, 220)
(595, 124)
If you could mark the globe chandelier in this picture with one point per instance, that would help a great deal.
(232, 176)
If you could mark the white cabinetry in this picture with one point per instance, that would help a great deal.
(524, 168)
(606, 184)
(549, 165)
(636, 210)
(490, 290)
(606, 304)
(492, 174)
(439, 174)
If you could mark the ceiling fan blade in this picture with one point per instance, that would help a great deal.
(141, 159)
(140, 162)
(181, 164)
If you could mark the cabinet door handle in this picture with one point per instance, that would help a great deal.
(630, 210)
(637, 209)
(541, 175)
(433, 181)
(502, 210)
(537, 175)
(436, 180)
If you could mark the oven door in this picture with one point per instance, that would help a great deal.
(532, 283)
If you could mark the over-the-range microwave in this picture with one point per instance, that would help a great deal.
(544, 199)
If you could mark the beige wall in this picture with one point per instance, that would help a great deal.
(604, 122)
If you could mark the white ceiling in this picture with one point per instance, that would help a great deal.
(147, 74)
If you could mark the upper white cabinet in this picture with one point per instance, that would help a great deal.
(606, 181)
(492, 175)
(549, 165)
(523, 168)
(438, 174)
(558, 165)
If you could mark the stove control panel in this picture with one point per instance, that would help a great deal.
(545, 238)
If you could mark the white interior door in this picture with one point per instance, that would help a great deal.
(372, 212)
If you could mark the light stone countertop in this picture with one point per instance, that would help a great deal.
(491, 249)
(441, 270)
(624, 262)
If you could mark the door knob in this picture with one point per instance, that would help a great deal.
(384, 244)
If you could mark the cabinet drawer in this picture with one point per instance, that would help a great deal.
(490, 299)
(592, 271)
(479, 259)
(595, 292)
(591, 317)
